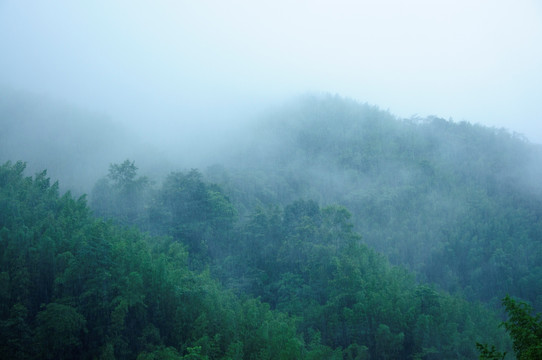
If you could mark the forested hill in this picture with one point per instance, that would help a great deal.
(75, 287)
(329, 230)
(460, 204)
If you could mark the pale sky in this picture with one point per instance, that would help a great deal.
(177, 66)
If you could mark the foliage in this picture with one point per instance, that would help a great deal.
(59, 331)
(77, 287)
(122, 195)
(525, 331)
(457, 203)
(313, 291)
(487, 353)
(253, 268)
(524, 328)
(191, 211)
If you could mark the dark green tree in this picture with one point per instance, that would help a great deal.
(524, 328)
(60, 331)
(122, 196)
(195, 213)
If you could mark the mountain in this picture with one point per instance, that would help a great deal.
(329, 229)
(459, 204)
(299, 285)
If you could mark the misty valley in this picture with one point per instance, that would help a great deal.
(323, 229)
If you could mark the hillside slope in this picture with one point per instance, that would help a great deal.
(458, 203)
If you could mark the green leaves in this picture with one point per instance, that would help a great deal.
(116, 293)
(125, 199)
(60, 332)
(487, 353)
(77, 287)
(524, 328)
(123, 175)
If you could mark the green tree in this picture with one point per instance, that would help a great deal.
(524, 328)
(60, 332)
(15, 334)
(123, 175)
(123, 195)
(489, 353)
(194, 213)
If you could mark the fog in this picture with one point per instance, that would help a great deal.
(292, 151)
(185, 73)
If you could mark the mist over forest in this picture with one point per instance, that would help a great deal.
(325, 224)
(284, 180)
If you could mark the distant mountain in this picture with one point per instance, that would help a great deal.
(458, 203)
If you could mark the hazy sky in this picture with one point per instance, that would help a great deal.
(194, 63)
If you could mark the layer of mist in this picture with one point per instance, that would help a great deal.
(414, 186)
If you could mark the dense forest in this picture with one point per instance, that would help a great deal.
(329, 230)
(459, 204)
